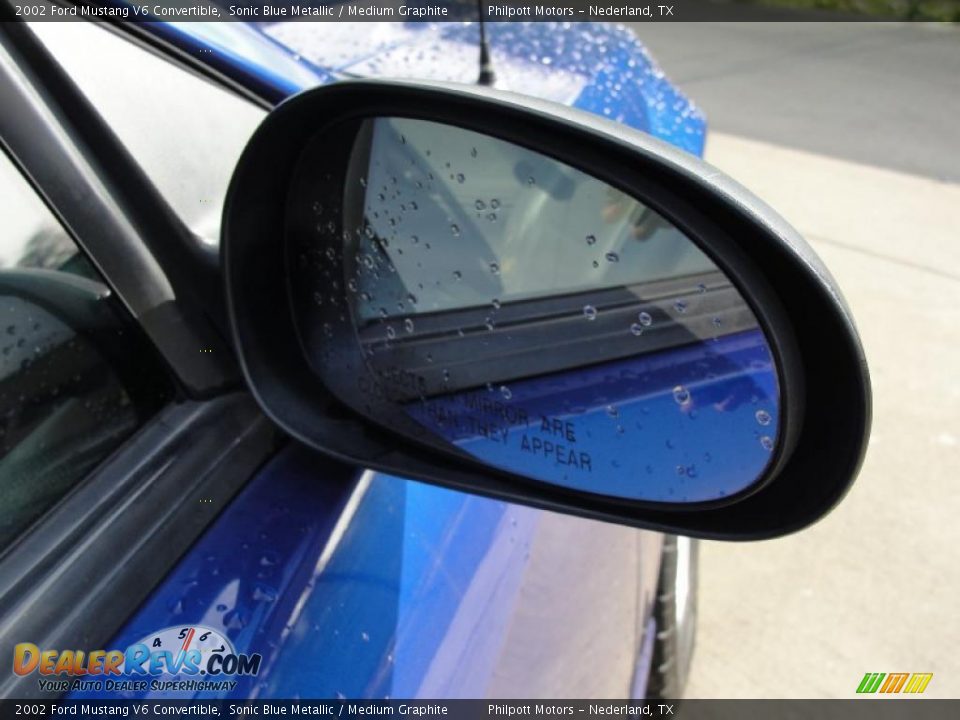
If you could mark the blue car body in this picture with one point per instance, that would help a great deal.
(365, 586)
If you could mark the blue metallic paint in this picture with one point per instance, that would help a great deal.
(628, 435)
(622, 81)
(347, 587)
(373, 586)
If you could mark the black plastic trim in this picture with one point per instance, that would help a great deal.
(541, 328)
(77, 574)
(112, 210)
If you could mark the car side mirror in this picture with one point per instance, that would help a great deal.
(521, 300)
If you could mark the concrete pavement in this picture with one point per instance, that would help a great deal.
(874, 586)
(887, 94)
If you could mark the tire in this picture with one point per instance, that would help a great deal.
(675, 613)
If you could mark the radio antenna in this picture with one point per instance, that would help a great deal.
(487, 76)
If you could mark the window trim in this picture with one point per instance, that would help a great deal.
(76, 575)
(103, 199)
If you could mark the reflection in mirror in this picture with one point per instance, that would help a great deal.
(476, 295)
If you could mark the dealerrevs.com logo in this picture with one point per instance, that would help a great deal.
(176, 659)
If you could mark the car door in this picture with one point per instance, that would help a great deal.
(366, 585)
(111, 459)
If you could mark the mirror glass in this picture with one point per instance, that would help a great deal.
(475, 295)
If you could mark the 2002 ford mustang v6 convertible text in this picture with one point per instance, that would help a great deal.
(246, 281)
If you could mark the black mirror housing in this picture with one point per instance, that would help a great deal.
(824, 400)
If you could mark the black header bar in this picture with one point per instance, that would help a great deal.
(863, 709)
(451, 10)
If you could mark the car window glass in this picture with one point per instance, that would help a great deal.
(186, 132)
(75, 376)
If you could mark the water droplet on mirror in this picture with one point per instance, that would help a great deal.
(365, 636)
(701, 288)
(457, 275)
(455, 229)
(234, 620)
(494, 204)
(530, 180)
(505, 392)
(488, 324)
(681, 395)
(591, 239)
(491, 216)
(717, 322)
(408, 325)
(495, 304)
(473, 152)
(766, 442)
(412, 299)
(596, 264)
(480, 205)
(763, 417)
(636, 329)
(494, 268)
(680, 306)
(262, 593)
(461, 177)
(645, 318)
(612, 411)
(589, 312)
(391, 333)
(612, 257)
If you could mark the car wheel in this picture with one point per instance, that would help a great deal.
(676, 617)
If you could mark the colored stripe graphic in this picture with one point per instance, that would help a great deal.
(870, 682)
(918, 683)
(894, 682)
